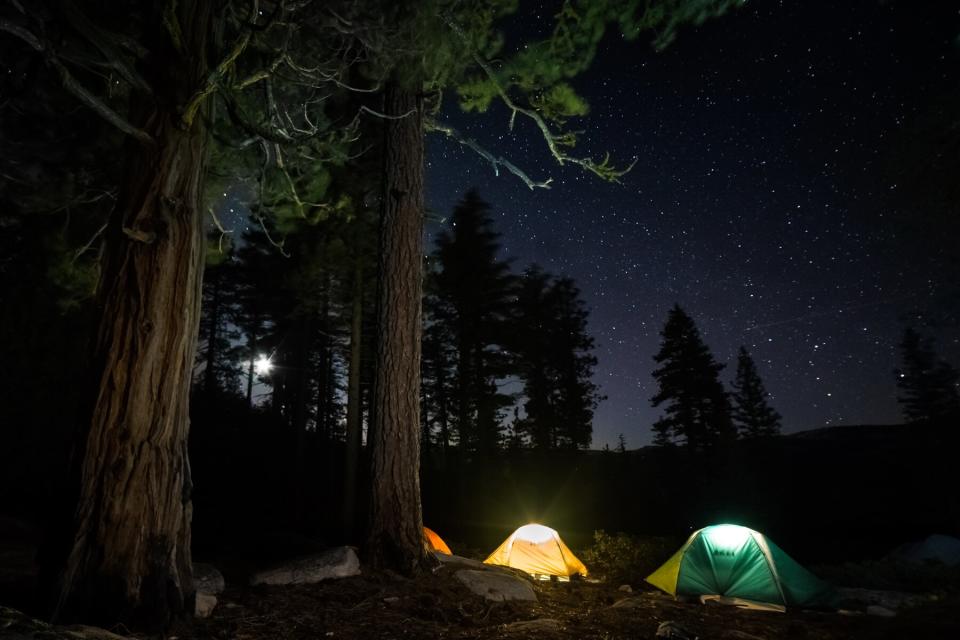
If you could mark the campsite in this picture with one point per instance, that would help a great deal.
(893, 583)
(585, 319)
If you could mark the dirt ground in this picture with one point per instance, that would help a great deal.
(438, 606)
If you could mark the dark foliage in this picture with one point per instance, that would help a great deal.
(697, 407)
(471, 307)
(753, 416)
(622, 558)
(929, 387)
(555, 361)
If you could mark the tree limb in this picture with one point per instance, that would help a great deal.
(365, 109)
(450, 132)
(223, 232)
(603, 169)
(82, 250)
(216, 76)
(71, 84)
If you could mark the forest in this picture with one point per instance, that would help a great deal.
(235, 335)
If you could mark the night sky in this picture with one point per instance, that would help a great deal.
(759, 202)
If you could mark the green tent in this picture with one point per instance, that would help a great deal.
(738, 563)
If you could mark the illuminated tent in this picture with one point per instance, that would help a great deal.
(435, 542)
(739, 564)
(538, 550)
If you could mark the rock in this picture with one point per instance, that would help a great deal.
(877, 610)
(204, 604)
(674, 631)
(340, 562)
(446, 558)
(207, 579)
(625, 588)
(84, 632)
(497, 586)
(628, 603)
(886, 599)
(533, 626)
(19, 626)
(391, 600)
(736, 634)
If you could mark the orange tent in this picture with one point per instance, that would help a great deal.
(435, 542)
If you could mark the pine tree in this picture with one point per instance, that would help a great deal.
(217, 372)
(555, 361)
(752, 415)
(473, 302)
(437, 371)
(621, 444)
(697, 407)
(928, 385)
(532, 348)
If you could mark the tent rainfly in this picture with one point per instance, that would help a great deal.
(435, 542)
(539, 551)
(741, 566)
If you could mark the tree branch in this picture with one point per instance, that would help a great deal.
(450, 132)
(71, 84)
(216, 76)
(223, 232)
(366, 109)
(554, 141)
(82, 250)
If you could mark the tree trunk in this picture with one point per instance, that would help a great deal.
(324, 406)
(252, 347)
(299, 416)
(354, 434)
(129, 552)
(209, 374)
(442, 416)
(464, 427)
(395, 536)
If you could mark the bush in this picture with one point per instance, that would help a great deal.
(627, 559)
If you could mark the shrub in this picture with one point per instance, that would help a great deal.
(624, 558)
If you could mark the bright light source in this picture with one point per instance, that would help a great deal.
(262, 365)
(727, 536)
(535, 533)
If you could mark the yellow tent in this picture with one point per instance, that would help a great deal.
(538, 550)
(435, 542)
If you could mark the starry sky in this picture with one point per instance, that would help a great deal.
(760, 201)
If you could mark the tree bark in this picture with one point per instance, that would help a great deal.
(395, 536)
(128, 557)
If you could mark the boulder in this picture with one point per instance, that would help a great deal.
(207, 579)
(877, 610)
(625, 588)
(339, 562)
(496, 586)
(204, 605)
